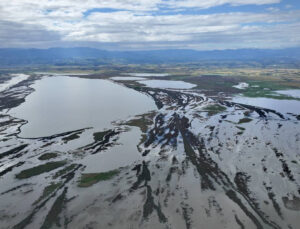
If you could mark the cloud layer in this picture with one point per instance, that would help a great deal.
(149, 24)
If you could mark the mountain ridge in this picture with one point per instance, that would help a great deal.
(19, 56)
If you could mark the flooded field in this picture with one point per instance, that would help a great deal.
(168, 84)
(284, 106)
(99, 101)
(292, 93)
(146, 154)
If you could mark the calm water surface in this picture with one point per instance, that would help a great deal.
(62, 103)
(168, 84)
(282, 106)
(292, 93)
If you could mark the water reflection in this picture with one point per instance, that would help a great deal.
(64, 103)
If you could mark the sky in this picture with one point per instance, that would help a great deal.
(150, 24)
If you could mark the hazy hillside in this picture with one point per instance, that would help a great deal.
(91, 55)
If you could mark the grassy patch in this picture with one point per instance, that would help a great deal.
(64, 171)
(47, 156)
(71, 137)
(267, 90)
(98, 136)
(47, 191)
(88, 179)
(240, 128)
(214, 109)
(244, 120)
(52, 219)
(142, 121)
(40, 169)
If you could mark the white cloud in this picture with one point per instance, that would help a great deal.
(212, 3)
(44, 23)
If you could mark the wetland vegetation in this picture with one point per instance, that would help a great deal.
(88, 179)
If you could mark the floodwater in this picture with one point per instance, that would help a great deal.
(168, 84)
(159, 162)
(241, 86)
(283, 106)
(99, 101)
(16, 78)
(292, 93)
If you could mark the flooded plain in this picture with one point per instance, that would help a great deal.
(283, 106)
(127, 155)
(168, 84)
(76, 104)
(293, 93)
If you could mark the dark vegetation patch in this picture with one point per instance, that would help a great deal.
(272, 197)
(150, 206)
(292, 204)
(88, 179)
(47, 156)
(13, 151)
(142, 121)
(99, 136)
(40, 169)
(15, 188)
(244, 120)
(10, 168)
(239, 222)
(232, 195)
(47, 191)
(186, 213)
(53, 215)
(240, 128)
(142, 176)
(102, 140)
(212, 84)
(65, 170)
(71, 137)
(267, 89)
(214, 109)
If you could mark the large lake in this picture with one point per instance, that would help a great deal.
(63, 103)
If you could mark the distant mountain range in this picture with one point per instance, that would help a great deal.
(82, 55)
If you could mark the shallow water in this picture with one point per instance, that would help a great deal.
(168, 84)
(292, 93)
(241, 86)
(99, 101)
(16, 78)
(172, 188)
(282, 106)
(123, 154)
